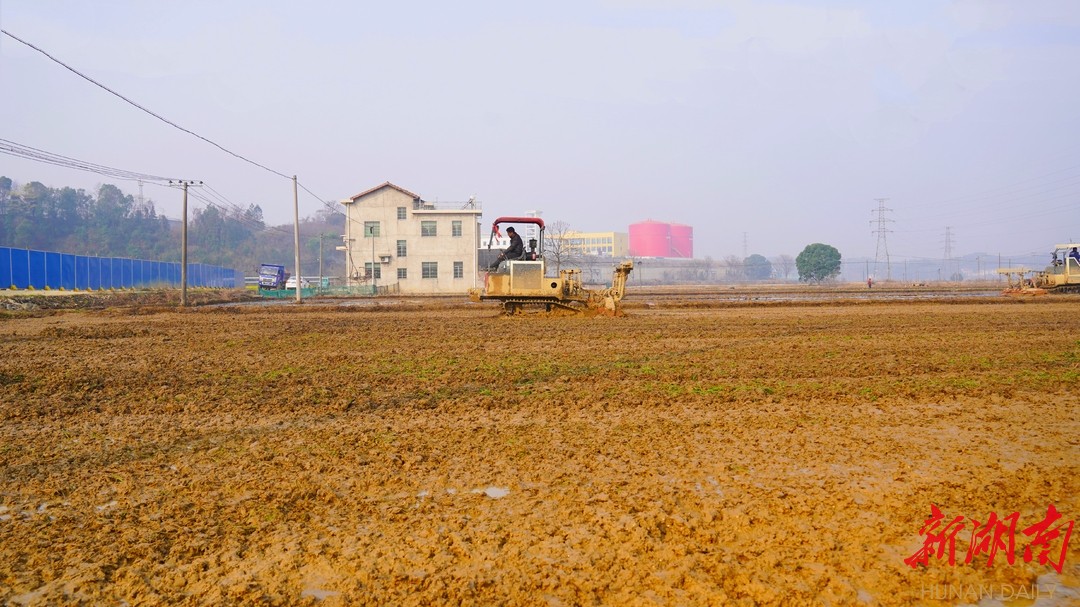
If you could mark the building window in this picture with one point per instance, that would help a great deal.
(371, 229)
(402, 250)
(459, 269)
(429, 269)
(367, 271)
(455, 229)
(402, 273)
(428, 228)
(401, 213)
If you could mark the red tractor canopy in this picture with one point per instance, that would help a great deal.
(532, 220)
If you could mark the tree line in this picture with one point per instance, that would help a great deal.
(110, 223)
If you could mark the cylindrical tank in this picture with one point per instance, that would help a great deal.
(682, 240)
(650, 239)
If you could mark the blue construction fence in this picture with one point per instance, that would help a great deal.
(26, 269)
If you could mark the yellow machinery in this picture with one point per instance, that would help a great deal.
(524, 282)
(1063, 273)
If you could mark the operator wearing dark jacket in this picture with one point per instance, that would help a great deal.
(515, 249)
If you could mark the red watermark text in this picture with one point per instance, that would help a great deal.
(1046, 541)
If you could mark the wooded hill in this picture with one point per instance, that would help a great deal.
(110, 223)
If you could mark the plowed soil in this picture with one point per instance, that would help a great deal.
(419, 454)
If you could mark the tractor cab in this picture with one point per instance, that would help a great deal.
(531, 252)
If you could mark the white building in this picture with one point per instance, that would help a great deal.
(420, 246)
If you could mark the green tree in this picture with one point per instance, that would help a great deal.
(757, 267)
(108, 223)
(6, 219)
(223, 237)
(818, 263)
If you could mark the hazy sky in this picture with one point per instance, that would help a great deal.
(764, 125)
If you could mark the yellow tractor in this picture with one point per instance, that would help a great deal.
(523, 281)
(1063, 273)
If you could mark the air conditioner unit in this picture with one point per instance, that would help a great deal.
(384, 259)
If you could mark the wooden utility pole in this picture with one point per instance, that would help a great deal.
(184, 183)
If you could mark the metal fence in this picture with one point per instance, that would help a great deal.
(339, 291)
(27, 269)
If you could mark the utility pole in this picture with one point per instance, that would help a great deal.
(374, 282)
(745, 248)
(350, 269)
(321, 237)
(296, 235)
(882, 243)
(184, 183)
(948, 248)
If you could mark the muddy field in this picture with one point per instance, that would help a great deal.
(418, 454)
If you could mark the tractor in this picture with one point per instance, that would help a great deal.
(1061, 276)
(1063, 273)
(523, 282)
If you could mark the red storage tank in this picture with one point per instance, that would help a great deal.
(682, 240)
(650, 239)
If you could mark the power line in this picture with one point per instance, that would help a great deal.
(231, 213)
(12, 148)
(31, 153)
(148, 111)
(326, 204)
(1008, 189)
(321, 199)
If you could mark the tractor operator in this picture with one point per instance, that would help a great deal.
(514, 251)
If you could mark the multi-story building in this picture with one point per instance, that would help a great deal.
(605, 244)
(392, 236)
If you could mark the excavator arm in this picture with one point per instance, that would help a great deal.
(606, 301)
(619, 277)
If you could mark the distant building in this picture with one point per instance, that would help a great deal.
(392, 236)
(605, 244)
(532, 231)
(659, 239)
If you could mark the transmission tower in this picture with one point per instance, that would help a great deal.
(948, 249)
(882, 232)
